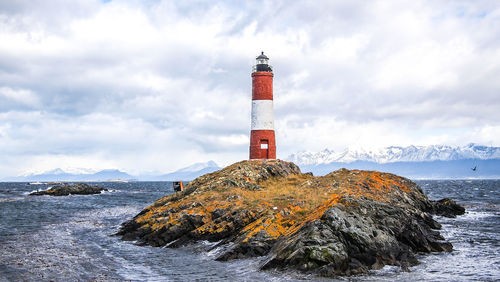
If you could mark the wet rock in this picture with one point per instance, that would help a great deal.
(70, 189)
(448, 208)
(347, 222)
(343, 242)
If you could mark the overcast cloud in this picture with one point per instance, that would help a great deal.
(148, 86)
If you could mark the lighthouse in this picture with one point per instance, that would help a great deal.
(262, 141)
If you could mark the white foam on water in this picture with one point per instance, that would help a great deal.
(475, 215)
(111, 212)
(215, 252)
(136, 271)
(110, 191)
(49, 253)
(13, 199)
(37, 190)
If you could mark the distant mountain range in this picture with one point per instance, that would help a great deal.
(60, 175)
(190, 172)
(184, 174)
(417, 162)
(436, 161)
(398, 154)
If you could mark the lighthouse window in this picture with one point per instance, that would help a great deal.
(263, 146)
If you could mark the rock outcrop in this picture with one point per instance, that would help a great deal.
(346, 222)
(448, 208)
(70, 189)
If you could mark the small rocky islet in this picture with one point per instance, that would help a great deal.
(344, 223)
(66, 189)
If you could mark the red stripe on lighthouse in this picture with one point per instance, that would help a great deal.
(262, 86)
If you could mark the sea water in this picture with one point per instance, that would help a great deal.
(46, 238)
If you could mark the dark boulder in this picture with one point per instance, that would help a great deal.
(70, 189)
(448, 208)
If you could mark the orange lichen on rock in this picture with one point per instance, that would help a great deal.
(346, 222)
(262, 198)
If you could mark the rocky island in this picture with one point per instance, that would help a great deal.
(346, 222)
(70, 189)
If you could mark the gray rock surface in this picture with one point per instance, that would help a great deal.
(70, 189)
(346, 222)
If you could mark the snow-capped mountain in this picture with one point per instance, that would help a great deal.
(190, 172)
(398, 154)
(58, 174)
(199, 166)
(62, 175)
(60, 171)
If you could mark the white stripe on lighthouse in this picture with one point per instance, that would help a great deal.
(262, 115)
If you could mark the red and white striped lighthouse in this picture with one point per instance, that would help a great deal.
(262, 143)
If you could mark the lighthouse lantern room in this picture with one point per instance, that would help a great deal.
(262, 139)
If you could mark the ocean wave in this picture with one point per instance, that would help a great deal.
(14, 199)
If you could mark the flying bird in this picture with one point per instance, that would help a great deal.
(474, 168)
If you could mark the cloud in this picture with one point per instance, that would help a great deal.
(18, 96)
(157, 85)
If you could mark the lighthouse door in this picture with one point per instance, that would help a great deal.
(264, 149)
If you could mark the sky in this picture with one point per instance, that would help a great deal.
(153, 86)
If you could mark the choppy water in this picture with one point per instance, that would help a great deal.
(67, 238)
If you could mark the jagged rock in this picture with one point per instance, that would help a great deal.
(346, 222)
(70, 189)
(368, 236)
(448, 208)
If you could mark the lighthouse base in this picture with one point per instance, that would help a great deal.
(262, 144)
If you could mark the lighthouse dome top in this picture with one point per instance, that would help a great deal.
(262, 56)
(262, 64)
